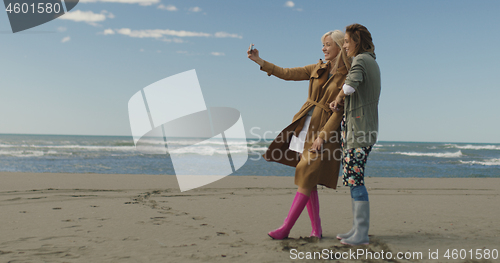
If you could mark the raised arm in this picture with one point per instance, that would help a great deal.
(253, 54)
(299, 73)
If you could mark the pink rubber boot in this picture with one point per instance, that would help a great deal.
(313, 209)
(299, 202)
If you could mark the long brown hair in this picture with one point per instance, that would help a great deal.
(362, 37)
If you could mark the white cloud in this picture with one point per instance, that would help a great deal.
(140, 2)
(87, 16)
(175, 40)
(291, 4)
(158, 33)
(66, 39)
(227, 35)
(195, 9)
(164, 34)
(168, 7)
(62, 29)
(108, 32)
(218, 54)
(84, 16)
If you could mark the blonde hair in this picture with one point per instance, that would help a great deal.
(338, 37)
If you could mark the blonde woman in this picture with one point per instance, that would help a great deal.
(311, 143)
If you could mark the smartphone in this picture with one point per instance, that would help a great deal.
(251, 47)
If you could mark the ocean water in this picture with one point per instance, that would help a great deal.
(117, 155)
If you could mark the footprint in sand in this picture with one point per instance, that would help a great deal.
(72, 226)
(131, 239)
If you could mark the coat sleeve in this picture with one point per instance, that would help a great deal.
(299, 73)
(331, 126)
(356, 73)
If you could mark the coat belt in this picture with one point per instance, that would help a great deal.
(323, 106)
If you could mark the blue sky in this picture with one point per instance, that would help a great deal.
(75, 74)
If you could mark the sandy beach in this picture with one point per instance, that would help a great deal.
(145, 218)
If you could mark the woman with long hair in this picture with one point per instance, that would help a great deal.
(358, 99)
(311, 143)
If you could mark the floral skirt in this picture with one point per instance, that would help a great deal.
(353, 161)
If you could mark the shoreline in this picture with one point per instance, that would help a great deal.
(11, 180)
(145, 218)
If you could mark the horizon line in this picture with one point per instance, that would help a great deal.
(90, 135)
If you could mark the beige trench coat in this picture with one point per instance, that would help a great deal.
(313, 168)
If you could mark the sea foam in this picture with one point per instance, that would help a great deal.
(476, 147)
(490, 162)
(439, 155)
